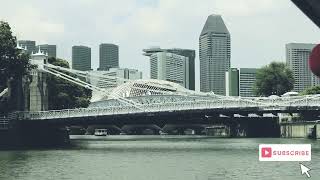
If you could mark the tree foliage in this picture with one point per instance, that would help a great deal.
(64, 94)
(274, 79)
(311, 90)
(13, 62)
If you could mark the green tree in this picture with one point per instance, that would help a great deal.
(14, 64)
(273, 79)
(311, 90)
(64, 94)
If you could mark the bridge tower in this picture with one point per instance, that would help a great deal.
(35, 90)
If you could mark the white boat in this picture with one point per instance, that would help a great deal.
(162, 133)
(100, 132)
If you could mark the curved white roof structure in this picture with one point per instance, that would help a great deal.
(144, 87)
(290, 94)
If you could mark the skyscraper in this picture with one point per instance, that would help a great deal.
(232, 82)
(108, 56)
(170, 67)
(297, 57)
(104, 80)
(50, 49)
(189, 53)
(81, 58)
(247, 79)
(240, 82)
(214, 55)
(29, 45)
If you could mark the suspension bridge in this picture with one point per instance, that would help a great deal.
(151, 97)
(150, 102)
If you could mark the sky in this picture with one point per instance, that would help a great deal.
(259, 28)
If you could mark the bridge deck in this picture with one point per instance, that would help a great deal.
(159, 104)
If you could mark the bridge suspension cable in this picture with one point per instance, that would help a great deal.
(85, 74)
(111, 80)
(54, 70)
(157, 88)
(4, 92)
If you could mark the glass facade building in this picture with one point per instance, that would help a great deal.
(297, 58)
(247, 79)
(214, 55)
(188, 53)
(170, 67)
(121, 74)
(81, 58)
(108, 56)
(240, 82)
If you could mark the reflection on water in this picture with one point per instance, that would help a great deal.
(153, 157)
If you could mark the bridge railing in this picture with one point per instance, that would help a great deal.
(4, 123)
(72, 113)
(265, 104)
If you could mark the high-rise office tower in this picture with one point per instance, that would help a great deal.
(240, 82)
(81, 58)
(29, 45)
(108, 56)
(214, 55)
(246, 81)
(189, 53)
(232, 82)
(297, 58)
(104, 80)
(170, 67)
(51, 50)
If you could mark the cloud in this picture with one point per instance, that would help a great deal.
(28, 21)
(248, 7)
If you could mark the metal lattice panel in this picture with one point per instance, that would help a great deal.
(169, 103)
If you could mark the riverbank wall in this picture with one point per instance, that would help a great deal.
(301, 129)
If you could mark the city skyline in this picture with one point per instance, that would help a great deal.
(257, 29)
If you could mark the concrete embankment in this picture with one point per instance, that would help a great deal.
(302, 129)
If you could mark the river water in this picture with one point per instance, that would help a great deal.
(154, 158)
